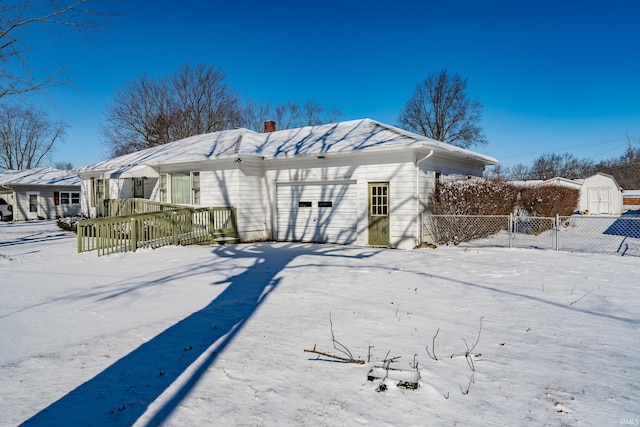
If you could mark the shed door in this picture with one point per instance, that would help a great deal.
(599, 200)
(319, 212)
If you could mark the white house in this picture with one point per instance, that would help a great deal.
(41, 193)
(356, 182)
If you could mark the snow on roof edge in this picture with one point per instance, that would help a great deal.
(39, 176)
(258, 141)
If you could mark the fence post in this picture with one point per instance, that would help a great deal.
(174, 223)
(134, 236)
(557, 233)
(510, 230)
(421, 229)
(79, 232)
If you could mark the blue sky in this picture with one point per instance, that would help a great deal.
(553, 76)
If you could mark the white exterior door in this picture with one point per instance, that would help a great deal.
(599, 200)
(33, 204)
(317, 212)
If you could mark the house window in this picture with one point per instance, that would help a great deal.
(64, 198)
(33, 203)
(180, 188)
(325, 204)
(99, 194)
(304, 204)
(438, 177)
(195, 187)
(56, 198)
(75, 198)
(163, 188)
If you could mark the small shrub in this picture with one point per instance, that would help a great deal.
(474, 197)
(549, 200)
(470, 197)
(70, 223)
(461, 198)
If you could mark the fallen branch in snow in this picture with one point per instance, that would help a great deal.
(333, 356)
(333, 338)
(433, 348)
(470, 350)
(468, 355)
(471, 380)
(573, 302)
(344, 349)
(386, 362)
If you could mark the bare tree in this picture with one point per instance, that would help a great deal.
(64, 166)
(497, 172)
(147, 112)
(254, 114)
(547, 166)
(287, 115)
(441, 109)
(26, 137)
(625, 169)
(520, 172)
(19, 18)
(566, 165)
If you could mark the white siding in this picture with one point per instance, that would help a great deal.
(251, 204)
(47, 207)
(325, 212)
(395, 168)
(239, 185)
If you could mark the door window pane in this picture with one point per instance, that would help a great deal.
(379, 201)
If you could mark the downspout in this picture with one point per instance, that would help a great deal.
(418, 221)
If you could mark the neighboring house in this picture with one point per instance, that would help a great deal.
(356, 182)
(631, 200)
(565, 182)
(42, 193)
(599, 193)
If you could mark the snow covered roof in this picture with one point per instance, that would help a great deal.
(342, 137)
(38, 176)
(558, 180)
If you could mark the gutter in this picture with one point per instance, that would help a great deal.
(418, 221)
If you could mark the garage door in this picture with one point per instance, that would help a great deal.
(319, 212)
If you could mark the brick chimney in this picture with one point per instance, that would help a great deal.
(269, 126)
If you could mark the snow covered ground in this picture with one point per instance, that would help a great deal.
(203, 334)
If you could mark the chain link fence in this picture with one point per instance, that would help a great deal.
(599, 234)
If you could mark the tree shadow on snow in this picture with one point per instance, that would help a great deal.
(627, 225)
(122, 393)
